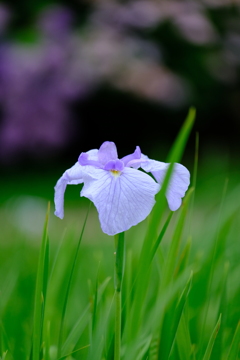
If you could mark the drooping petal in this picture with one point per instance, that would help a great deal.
(70, 176)
(107, 152)
(77, 174)
(178, 186)
(122, 200)
(179, 182)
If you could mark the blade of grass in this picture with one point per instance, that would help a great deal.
(184, 345)
(73, 352)
(171, 321)
(175, 156)
(82, 322)
(154, 219)
(218, 345)
(41, 285)
(95, 306)
(174, 246)
(213, 264)
(98, 341)
(194, 178)
(47, 343)
(160, 236)
(179, 309)
(211, 342)
(234, 348)
(5, 343)
(183, 260)
(60, 338)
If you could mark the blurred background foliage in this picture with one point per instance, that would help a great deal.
(76, 73)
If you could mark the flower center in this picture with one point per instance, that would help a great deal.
(115, 167)
(115, 172)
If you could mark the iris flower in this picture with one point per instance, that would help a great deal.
(122, 194)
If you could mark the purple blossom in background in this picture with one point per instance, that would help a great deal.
(35, 92)
(115, 46)
(122, 194)
(56, 22)
(4, 18)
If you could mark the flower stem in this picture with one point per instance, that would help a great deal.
(118, 276)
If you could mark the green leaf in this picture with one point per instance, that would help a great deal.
(82, 322)
(94, 315)
(234, 348)
(184, 345)
(218, 345)
(160, 236)
(171, 321)
(40, 292)
(69, 286)
(174, 246)
(154, 220)
(211, 342)
(182, 263)
(175, 156)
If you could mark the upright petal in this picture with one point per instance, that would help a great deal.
(92, 154)
(127, 160)
(107, 152)
(122, 201)
(70, 176)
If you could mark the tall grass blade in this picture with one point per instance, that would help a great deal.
(183, 260)
(194, 178)
(211, 342)
(73, 352)
(234, 348)
(184, 345)
(5, 347)
(60, 339)
(213, 262)
(218, 345)
(174, 246)
(40, 293)
(160, 236)
(82, 322)
(154, 219)
(47, 343)
(95, 302)
(175, 156)
(171, 322)
(179, 309)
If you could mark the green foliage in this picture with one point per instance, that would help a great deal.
(180, 288)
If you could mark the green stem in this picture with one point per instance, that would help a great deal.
(118, 276)
(117, 343)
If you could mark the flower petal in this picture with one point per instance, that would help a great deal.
(129, 158)
(92, 154)
(178, 184)
(122, 201)
(70, 176)
(107, 152)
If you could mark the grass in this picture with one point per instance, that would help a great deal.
(180, 291)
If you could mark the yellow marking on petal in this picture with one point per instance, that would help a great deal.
(115, 172)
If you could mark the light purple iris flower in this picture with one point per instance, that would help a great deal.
(122, 194)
